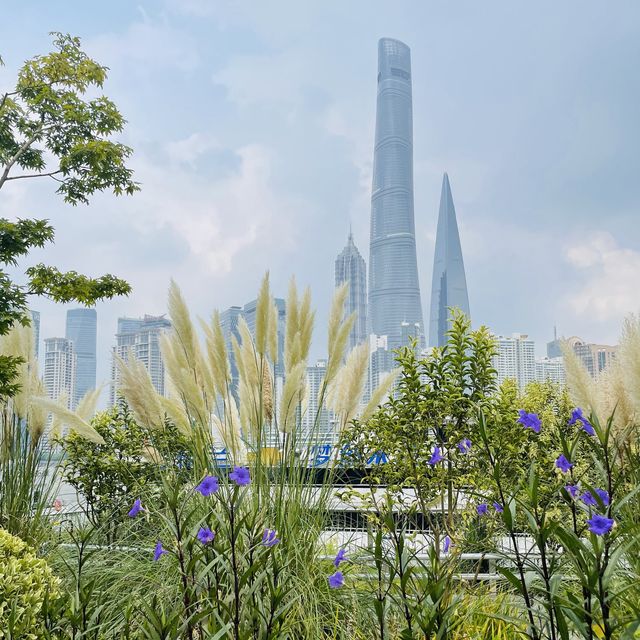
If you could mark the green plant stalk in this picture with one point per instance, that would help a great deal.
(519, 563)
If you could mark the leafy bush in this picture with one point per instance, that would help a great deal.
(107, 474)
(26, 583)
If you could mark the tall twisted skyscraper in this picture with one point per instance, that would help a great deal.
(394, 292)
(351, 268)
(449, 285)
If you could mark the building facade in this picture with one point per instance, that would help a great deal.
(449, 282)
(81, 329)
(596, 358)
(350, 267)
(394, 291)
(141, 338)
(249, 314)
(35, 328)
(551, 370)
(515, 359)
(59, 371)
(317, 425)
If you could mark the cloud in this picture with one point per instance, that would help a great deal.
(146, 43)
(610, 275)
(218, 219)
(188, 150)
(276, 79)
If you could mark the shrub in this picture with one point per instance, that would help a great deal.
(106, 474)
(26, 583)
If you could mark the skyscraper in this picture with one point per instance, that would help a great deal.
(449, 284)
(351, 268)
(249, 314)
(596, 358)
(81, 330)
(35, 327)
(140, 337)
(59, 372)
(394, 292)
(317, 424)
(515, 359)
(229, 320)
(551, 369)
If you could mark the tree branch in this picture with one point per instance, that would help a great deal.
(5, 96)
(34, 175)
(25, 145)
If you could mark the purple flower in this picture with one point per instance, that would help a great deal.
(436, 456)
(447, 544)
(588, 499)
(207, 486)
(464, 445)
(600, 524)
(240, 475)
(563, 464)
(336, 580)
(159, 551)
(482, 508)
(603, 495)
(341, 556)
(529, 420)
(205, 535)
(269, 538)
(572, 490)
(498, 507)
(136, 509)
(577, 416)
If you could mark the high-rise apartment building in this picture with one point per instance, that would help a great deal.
(318, 423)
(35, 328)
(449, 283)
(140, 337)
(595, 357)
(229, 319)
(394, 291)
(515, 359)
(81, 329)
(249, 314)
(59, 372)
(350, 267)
(550, 369)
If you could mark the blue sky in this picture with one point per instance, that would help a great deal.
(253, 122)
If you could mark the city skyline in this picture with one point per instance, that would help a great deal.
(273, 158)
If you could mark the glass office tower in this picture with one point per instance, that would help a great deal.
(394, 291)
(81, 330)
(449, 284)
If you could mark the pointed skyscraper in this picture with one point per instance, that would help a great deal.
(449, 285)
(394, 292)
(351, 268)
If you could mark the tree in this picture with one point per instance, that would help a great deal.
(428, 429)
(110, 475)
(49, 130)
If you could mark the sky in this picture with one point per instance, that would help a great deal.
(252, 125)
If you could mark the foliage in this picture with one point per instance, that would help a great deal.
(541, 500)
(433, 408)
(26, 584)
(27, 470)
(48, 129)
(107, 474)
